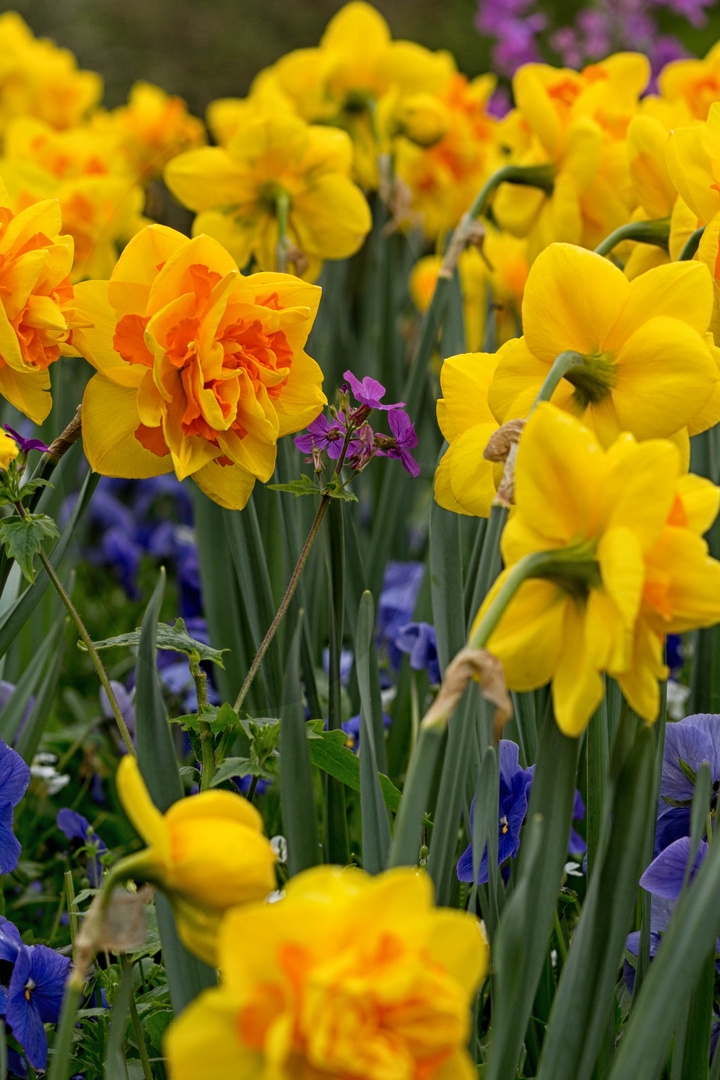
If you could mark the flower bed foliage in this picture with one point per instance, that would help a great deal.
(359, 566)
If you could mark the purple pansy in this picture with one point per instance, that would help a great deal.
(322, 434)
(369, 392)
(34, 995)
(690, 741)
(76, 827)
(417, 639)
(14, 780)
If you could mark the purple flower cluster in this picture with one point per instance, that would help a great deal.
(611, 26)
(351, 426)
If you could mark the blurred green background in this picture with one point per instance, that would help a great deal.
(205, 50)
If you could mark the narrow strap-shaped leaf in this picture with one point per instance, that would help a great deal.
(296, 786)
(247, 550)
(187, 976)
(674, 972)
(369, 676)
(485, 827)
(585, 995)
(114, 1066)
(338, 844)
(376, 836)
(446, 584)
(18, 613)
(550, 813)
(31, 733)
(27, 685)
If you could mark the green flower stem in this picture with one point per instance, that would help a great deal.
(62, 1047)
(655, 232)
(282, 204)
(692, 245)
(137, 1029)
(70, 900)
(539, 176)
(534, 564)
(206, 735)
(94, 656)
(562, 363)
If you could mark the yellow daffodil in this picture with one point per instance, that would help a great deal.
(347, 976)
(151, 129)
(694, 83)
(208, 853)
(648, 364)
(654, 190)
(624, 528)
(341, 81)
(464, 481)
(577, 122)
(36, 298)
(8, 450)
(236, 189)
(445, 177)
(39, 79)
(502, 268)
(200, 369)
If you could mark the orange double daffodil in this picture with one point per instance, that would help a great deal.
(36, 301)
(623, 530)
(649, 365)
(346, 976)
(200, 369)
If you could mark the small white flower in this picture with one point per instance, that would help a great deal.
(43, 769)
(677, 695)
(573, 869)
(275, 896)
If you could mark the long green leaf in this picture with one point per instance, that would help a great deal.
(31, 733)
(187, 976)
(18, 613)
(296, 787)
(27, 685)
(673, 973)
(585, 995)
(376, 836)
(114, 1066)
(549, 815)
(338, 844)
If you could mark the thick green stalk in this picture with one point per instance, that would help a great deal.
(644, 232)
(692, 245)
(62, 1047)
(562, 363)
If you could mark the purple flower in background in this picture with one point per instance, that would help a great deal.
(76, 827)
(34, 995)
(351, 728)
(14, 780)
(126, 703)
(26, 445)
(515, 785)
(417, 639)
(369, 392)
(688, 743)
(397, 600)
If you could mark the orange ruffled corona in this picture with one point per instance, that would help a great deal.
(200, 369)
(349, 976)
(35, 295)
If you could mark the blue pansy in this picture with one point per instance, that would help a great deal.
(14, 780)
(514, 793)
(76, 827)
(515, 784)
(400, 588)
(34, 995)
(691, 742)
(417, 639)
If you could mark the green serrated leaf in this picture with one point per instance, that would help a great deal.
(220, 718)
(23, 537)
(303, 486)
(330, 754)
(239, 766)
(167, 636)
(336, 491)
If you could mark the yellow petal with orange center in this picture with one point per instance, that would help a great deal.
(95, 340)
(227, 485)
(528, 638)
(700, 501)
(110, 419)
(204, 1041)
(27, 391)
(639, 488)
(577, 687)
(622, 570)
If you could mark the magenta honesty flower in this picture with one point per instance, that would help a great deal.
(27, 444)
(369, 392)
(405, 441)
(322, 435)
